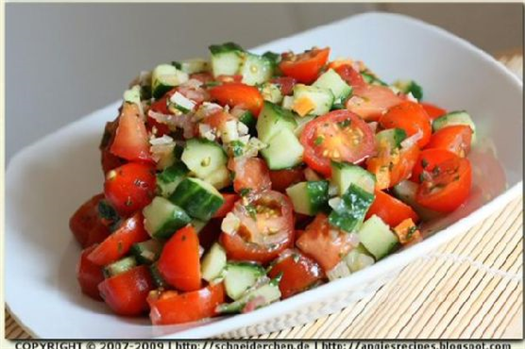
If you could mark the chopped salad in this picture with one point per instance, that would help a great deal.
(240, 180)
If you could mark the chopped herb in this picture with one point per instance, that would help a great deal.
(237, 148)
(251, 211)
(129, 202)
(343, 124)
(212, 83)
(296, 257)
(411, 232)
(176, 64)
(106, 211)
(436, 171)
(119, 247)
(319, 140)
(424, 163)
(245, 191)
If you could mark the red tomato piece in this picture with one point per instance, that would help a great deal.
(391, 210)
(171, 307)
(238, 94)
(218, 119)
(305, 67)
(89, 275)
(411, 117)
(282, 179)
(323, 243)
(339, 136)
(350, 76)
(266, 228)
(130, 187)
(428, 159)
(98, 234)
(227, 206)
(251, 174)
(126, 294)
(110, 161)
(85, 219)
(445, 185)
(455, 138)
(131, 139)
(370, 102)
(118, 244)
(298, 272)
(285, 84)
(179, 262)
(433, 111)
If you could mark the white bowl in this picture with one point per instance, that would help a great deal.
(47, 181)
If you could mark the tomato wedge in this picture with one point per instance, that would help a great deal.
(428, 159)
(455, 138)
(282, 179)
(339, 136)
(238, 94)
(130, 187)
(391, 210)
(179, 262)
(370, 102)
(98, 234)
(85, 219)
(433, 111)
(171, 307)
(251, 175)
(227, 206)
(351, 76)
(126, 294)
(285, 84)
(89, 275)
(323, 243)
(131, 138)
(445, 185)
(265, 228)
(298, 272)
(118, 244)
(411, 117)
(305, 67)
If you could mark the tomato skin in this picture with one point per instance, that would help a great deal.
(455, 138)
(433, 111)
(131, 138)
(218, 119)
(305, 67)
(298, 272)
(250, 174)
(179, 262)
(370, 102)
(317, 243)
(428, 159)
(340, 143)
(227, 206)
(285, 84)
(97, 234)
(453, 182)
(130, 187)
(411, 117)
(399, 167)
(85, 219)
(89, 275)
(110, 161)
(251, 241)
(174, 308)
(238, 94)
(350, 76)
(282, 179)
(118, 244)
(127, 292)
(391, 210)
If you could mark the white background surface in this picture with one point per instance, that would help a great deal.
(66, 60)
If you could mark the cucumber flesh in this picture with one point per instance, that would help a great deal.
(284, 150)
(455, 118)
(213, 263)
(198, 198)
(333, 81)
(164, 78)
(391, 138)
(273, 119)
(239, 277)
(350, 212)
(146, 252)
(410, 86)
(358, 258)
(255, 69)
(203, 157)
(405, 191)
(309, 197)
(267, 293)
(162, 218)
(322, 99)
(226, 59)
(170, 178)
(120, 266)
(377, 238)
(344, 174)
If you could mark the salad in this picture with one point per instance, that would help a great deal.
(240, 180)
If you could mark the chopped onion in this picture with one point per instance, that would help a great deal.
(163, 140)
(412, 140)
(340, 270)
(311, 175)
(354, 239)
(335, 202)
(230, 224)
(373, 126)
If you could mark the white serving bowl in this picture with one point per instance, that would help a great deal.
(47, 181)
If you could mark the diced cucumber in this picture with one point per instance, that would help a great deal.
(349, 213)
(157, 277)
(198, 225)
(238, 277)
(391, 138)
(170, 178)
(319, 100)
(333, 81)
(164, 78)
(455, 118)
(377, 238)
(284, 150)
(371, 79)
(268, 293)
(341, 270)
(287, 102)
(203, 157)
(198, 198)
(194, 65)
(213, 263)
(309, 197)
(226, 59)
(178, 103)
(133, 96)
(146, 252)
(162, 218)
(410, 86)
(255, 69)
(272, 119)
(274, 59)
(344, 174)
(358, 258)
(405, 191)
(250, 121)
(220, 178)
(120, 266)
(271, 92)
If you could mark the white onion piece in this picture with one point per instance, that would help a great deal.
(412, 140)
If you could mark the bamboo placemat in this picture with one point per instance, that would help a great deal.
(471, 287)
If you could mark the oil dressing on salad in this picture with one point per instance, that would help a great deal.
(235, 182)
